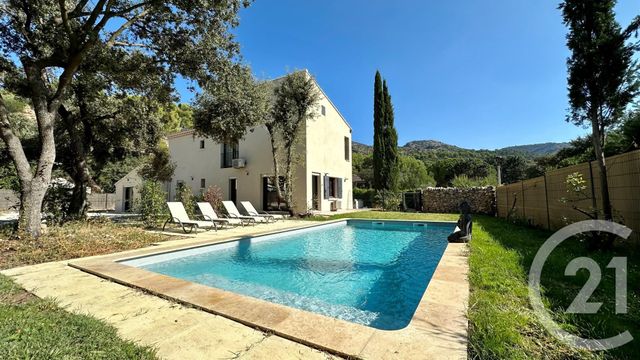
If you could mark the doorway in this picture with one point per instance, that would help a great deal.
(233, 190)
(315, 191)
(128, 199)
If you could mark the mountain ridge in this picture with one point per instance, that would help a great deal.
(527, 150)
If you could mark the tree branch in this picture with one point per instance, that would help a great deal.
(65, 17)
(124, 26)
(14, 145)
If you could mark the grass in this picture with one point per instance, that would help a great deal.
(73, 240)
(33, 328)
(502, 323)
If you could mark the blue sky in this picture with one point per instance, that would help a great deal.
(477, 74)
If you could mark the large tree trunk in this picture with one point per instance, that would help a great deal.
(33, 185)
(78, 168)
(276, 163)
(598, 140)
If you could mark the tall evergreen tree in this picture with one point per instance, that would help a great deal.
(390, 135)
(378, 130)
(601, 80)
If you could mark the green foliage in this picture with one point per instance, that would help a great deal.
(378, 133)
(514, 169)
(56, 202)
(185, 195)
(463, 181)
(159, 166)
(388, 200)
(33, 328)
(363, 166)
(367, 196)
(413, 174)
(229, 105)
(385, 139)
(152, 205)
(296, 99)
(175, 118)
(391, 157)
(111, 172)
(214, 196)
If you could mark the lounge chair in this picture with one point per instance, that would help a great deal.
(179, 216)
(209, 214)
(233, 212)
(251, 210)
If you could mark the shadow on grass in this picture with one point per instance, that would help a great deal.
(560, 290)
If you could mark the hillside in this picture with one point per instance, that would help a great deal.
(434, 148)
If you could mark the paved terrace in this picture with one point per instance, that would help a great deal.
(180, 332)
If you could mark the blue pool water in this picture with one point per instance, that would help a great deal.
(361, 271)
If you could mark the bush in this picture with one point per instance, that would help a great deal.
(185, 196)
(152, 203)
(213, 196)
(57, 201)
(388, 200)
(366, 195)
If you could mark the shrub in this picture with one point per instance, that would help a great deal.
(388, 200)
(366, 195)
(213, 195)
(57, 200)
(152, 203)
(185, 196)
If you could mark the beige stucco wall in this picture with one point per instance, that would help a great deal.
(326, 154)
(320, 147)
(132, 179)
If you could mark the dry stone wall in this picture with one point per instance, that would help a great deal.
(446, 200)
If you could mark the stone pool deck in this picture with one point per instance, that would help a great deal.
(438, 330)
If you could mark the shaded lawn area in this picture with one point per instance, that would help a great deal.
(73, 240)
(32, 328)
(502, 323)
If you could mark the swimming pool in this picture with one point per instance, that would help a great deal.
(367, 272)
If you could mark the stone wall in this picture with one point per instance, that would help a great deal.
(446, 200)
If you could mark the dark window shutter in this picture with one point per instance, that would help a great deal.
(327, 187)
(339, 181)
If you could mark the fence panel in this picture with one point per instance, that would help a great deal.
(545, 201)
(102, 202)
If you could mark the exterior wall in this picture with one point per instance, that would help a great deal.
(326, 155)
(132, 179)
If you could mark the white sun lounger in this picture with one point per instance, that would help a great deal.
(209, 214)
(179, 216)
(251, 210)
(233, 212)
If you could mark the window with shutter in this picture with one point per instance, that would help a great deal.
(339, 187)
(327, 187)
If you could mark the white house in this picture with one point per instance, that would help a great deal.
(244, 170)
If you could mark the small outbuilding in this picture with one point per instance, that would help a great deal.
(128, 191)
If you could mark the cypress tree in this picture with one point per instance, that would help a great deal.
(391, 158)
(378, 133)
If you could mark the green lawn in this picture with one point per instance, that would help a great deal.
(502, 323)
(32, 328)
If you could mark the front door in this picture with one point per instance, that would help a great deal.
(128, 199)
(233, 190)
(315, 191)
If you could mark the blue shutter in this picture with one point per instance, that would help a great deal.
(327, 187)
(339, 180)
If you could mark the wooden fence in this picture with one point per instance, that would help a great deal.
(540, 202)
(97, 202)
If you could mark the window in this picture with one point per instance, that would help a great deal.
(203, 183)
(332, 187)
(201, 144)
(347, 152)
(228, 153)
(323, 110)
